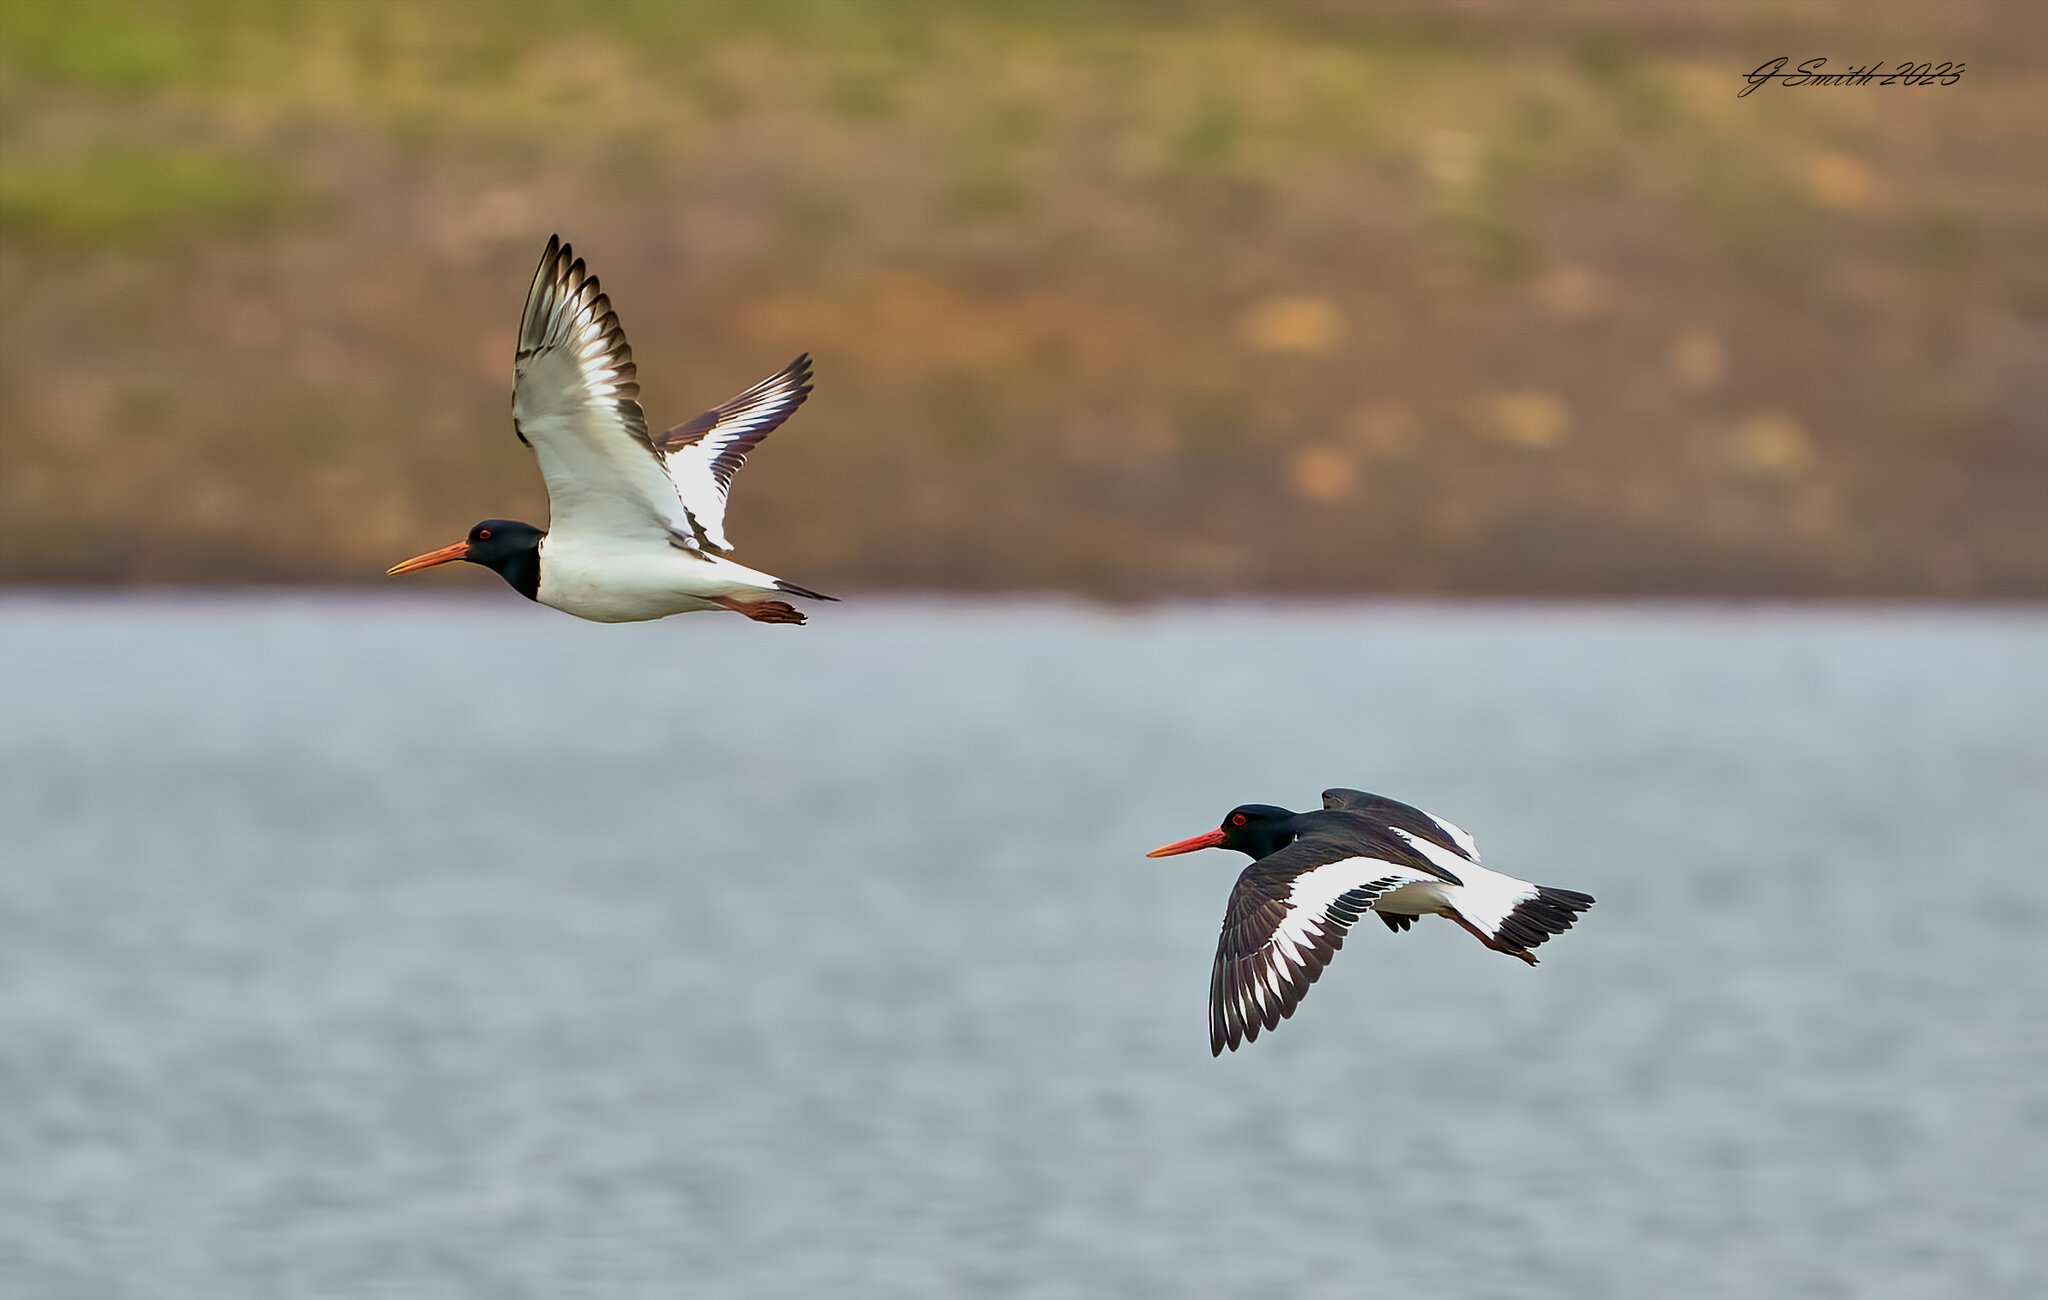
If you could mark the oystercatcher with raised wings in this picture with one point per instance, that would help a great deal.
(1315, 873)
(636, 526)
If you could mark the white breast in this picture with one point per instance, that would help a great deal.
(626, 580)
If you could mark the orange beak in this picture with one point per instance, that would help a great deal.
(459, 551)
(1206, 840)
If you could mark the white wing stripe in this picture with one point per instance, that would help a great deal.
(1264, 978)
(1458, 866)
(574, 402)
(1458, 837)
(1313, 892)
(1285, 950)
(703, 455)
(1279, 973)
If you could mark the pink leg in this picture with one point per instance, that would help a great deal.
(761, 611)
(1486, 939)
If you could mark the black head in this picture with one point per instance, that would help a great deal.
(1254, 828)
(506, 545)
(501, 543)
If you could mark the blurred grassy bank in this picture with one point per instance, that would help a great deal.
(1119, 298)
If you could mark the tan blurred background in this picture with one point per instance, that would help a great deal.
(1125, 299)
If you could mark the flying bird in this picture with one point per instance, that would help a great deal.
(1315, 873)
(636, 526)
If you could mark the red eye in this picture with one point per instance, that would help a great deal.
(1237, 819)
(483, 534)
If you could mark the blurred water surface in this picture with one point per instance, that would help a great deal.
(441, 949)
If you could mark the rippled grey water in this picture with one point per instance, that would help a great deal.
(432, 949)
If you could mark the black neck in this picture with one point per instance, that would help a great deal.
(523, 572)
(512, 552)
(1271, 840)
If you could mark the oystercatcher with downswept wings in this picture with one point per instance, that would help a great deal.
(636, 525)
(1315, 873)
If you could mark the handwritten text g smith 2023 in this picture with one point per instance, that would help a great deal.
(1809, 74)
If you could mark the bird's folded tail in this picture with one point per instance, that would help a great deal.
(805, 592)
(1514, 915)
(1535, 918)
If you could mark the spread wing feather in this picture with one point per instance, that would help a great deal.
(1286, 919)
(575, 401)
(703, 454)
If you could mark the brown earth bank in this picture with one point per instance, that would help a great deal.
(1125, 300)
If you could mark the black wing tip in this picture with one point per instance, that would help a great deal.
(559, 263)
(562, 271)
(791, 588)
(798, 372)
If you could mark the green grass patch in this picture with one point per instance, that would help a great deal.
(94, 45)
(117, 195)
